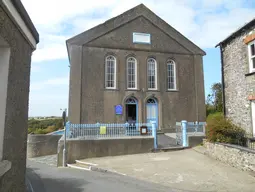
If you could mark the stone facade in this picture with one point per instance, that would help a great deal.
(15, 116)
(239, 84)
(239, 157)
(91, 102)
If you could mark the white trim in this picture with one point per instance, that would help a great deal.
(20, 22)
(251, 68)
(115, 72)
(85, 163)
(174, 65)
(135, 73)
(156, 75)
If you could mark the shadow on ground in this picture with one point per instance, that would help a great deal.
(35, 183)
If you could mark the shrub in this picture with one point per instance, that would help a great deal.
(220, 129)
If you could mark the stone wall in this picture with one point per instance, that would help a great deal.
(16, 113)
(82, 149)
(235, 156)
(41, 145)
(238, 85)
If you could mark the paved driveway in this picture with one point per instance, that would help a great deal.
(42, 177)
(186, 170)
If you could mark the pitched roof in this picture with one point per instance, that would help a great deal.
(237, 32)
(140, 10)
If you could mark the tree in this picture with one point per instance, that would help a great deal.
(214, 101)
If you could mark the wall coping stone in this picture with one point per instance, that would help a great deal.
(236, 147)
(107, 138)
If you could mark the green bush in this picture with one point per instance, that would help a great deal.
(220, 129)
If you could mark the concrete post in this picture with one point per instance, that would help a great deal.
(184, 133)
(154, 134)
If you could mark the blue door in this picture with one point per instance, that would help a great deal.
(152, 111)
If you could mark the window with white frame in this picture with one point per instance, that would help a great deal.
(171, 75)
(131, 73)
(110, 72)
(152, 74)
(251, 50)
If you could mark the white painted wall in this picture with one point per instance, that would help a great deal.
(4, 71)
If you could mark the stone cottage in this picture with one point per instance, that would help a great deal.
(238, 76)
(135, 68)
(18, 39)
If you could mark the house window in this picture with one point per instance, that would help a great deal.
(131, 73)
(251, 47)
(152, 74)
(171, 75)
(110, 72)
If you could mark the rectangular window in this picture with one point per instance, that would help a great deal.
(171, 76)
(131, 73)
(152, 74)
(110, 81)
(251, 48)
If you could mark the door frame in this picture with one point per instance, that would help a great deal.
(157, 109)
(131, 101)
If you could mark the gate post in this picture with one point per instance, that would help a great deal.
(154, 134)
(184, 133)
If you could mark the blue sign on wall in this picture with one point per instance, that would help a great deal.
(118, 109)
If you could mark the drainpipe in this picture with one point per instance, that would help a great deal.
(222, 81)
(195, 78)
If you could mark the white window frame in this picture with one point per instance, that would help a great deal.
(156, 74)
(171, 62)
(135, 79)
(251, 68)
(115, 72)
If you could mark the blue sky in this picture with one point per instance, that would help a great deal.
(205, 22)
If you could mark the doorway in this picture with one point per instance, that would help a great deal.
(152, 111)
(131, 110)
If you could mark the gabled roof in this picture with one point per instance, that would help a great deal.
(237, 32)
(140, 10)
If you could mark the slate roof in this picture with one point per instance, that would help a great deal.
(237, 32)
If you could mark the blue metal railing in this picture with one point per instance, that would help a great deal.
(184, 128)
(111, 130)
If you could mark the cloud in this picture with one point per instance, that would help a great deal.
(205, 22)
(47, 84)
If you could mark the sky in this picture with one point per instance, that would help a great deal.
(205, 22)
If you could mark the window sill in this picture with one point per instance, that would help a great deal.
(249, 74)
(5, 166)
(172, 90)
(108, 89)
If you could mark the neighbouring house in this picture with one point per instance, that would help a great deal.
(18, 39)
(238, 76)
(135, 68)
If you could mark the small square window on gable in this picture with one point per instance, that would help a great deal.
(251, 52)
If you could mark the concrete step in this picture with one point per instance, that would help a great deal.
(173, 148)
(82, 165)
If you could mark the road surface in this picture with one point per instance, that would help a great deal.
(45, 178)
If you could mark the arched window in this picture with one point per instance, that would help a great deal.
(110, 72)
(171, 75)
(152, 74)
(131, 73)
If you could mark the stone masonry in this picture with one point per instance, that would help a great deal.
(235, 156)
(238, 83)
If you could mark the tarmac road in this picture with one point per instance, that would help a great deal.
(44, 178)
